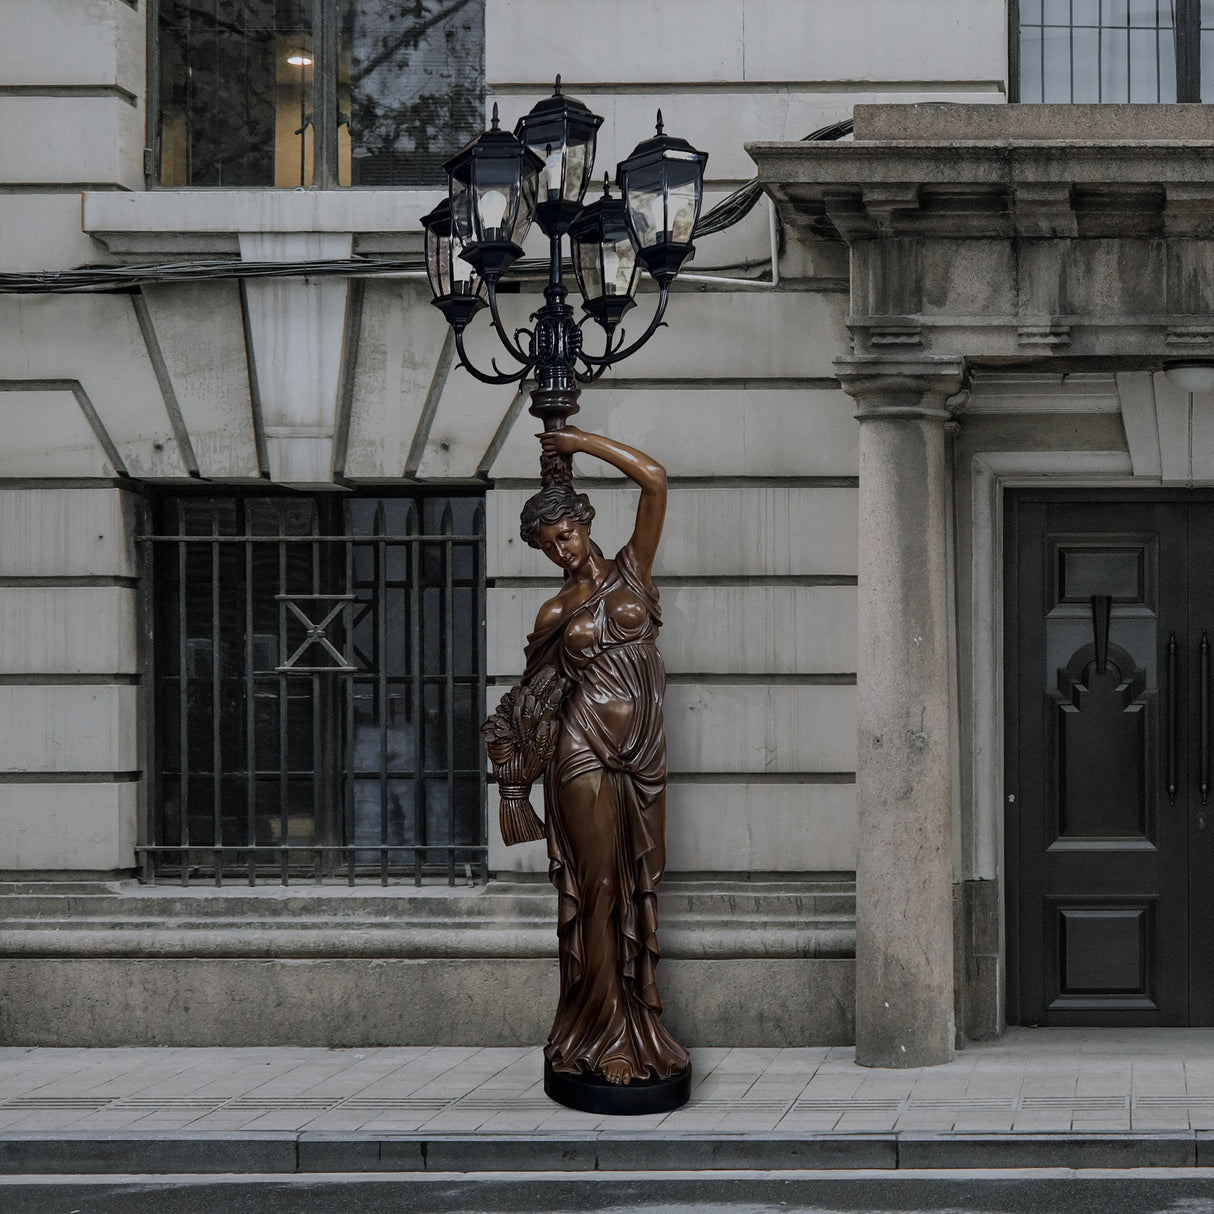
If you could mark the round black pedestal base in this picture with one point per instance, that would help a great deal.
(592, 1094)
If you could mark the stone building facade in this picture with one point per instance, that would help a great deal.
(260, 574)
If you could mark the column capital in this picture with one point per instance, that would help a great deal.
(913, 389)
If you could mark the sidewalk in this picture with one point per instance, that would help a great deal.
(1037, 1098)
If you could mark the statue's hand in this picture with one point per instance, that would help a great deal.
(562, 442)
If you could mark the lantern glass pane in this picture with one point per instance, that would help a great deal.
(647, 204)
(497, 190)
(436, 254)
(461, 209)
(527, 198)
(683, 206)
(463, 277)
(546, 138)
(529, 187)
(619, 266)
(579, 164)
(589, 272)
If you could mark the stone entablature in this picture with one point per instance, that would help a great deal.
(994, 242)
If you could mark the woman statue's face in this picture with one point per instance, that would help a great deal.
(565, 543)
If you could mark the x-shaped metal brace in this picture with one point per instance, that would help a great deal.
(316, 633)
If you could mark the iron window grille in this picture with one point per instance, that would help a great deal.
(1145, 51)
(318, 685)
(327, 93)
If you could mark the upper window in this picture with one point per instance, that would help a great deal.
(1116, 50)
(315, 92)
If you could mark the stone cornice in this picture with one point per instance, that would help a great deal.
(972, 188)
(1096, 251)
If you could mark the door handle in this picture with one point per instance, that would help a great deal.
(1173, 713)
(1204, 718)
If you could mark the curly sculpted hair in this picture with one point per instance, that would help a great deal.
(556, 501)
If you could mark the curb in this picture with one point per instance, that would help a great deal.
(293, 1153)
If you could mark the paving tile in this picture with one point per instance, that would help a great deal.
(751, 1123)
(507, 1122)
(336, 1122)
(451, 1123)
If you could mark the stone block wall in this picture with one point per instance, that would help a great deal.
(69, 752)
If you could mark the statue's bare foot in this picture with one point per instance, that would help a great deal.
(617, 1071)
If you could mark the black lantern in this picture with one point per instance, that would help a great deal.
(456, 285)
(493, 189)
(499, 182)
(562, 132)
(662, 184)
(604, 259)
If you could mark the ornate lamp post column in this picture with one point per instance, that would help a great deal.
(588, 714)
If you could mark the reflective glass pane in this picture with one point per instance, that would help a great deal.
(1030, 64)
(1207, 65)
(579, 163)
(682, 205)
(409, 87)
(235, 92)
(1148, 14)
(1144, 66)
(620, 268)
(646, 205)
(589, 275)
(1056, 67)
(1085, 65)
(1114, 65)
(1167, 66)
(497, 197)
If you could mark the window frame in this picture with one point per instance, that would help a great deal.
(1188, 56)
(325, 172)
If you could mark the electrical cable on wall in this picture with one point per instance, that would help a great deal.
(729, 211)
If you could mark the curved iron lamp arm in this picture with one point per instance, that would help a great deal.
(515, 351)
(589, 376)
(499, 378)
(610, 356)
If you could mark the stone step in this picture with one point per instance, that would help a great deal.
(496, 901)
(700, 919)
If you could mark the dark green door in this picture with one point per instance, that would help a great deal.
(1110, 861)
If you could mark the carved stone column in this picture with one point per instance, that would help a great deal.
(904, 878)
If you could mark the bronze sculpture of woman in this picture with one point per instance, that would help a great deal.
(605, 782)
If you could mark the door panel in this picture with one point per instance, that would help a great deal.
(1100, 929)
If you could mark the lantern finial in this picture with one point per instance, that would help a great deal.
(556, 91)
(660, 122)
(495, 117)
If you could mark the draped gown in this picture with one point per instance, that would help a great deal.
(611, 725)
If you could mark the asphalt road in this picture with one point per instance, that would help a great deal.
(1052, 1191)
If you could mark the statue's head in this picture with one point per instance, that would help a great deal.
(556, 502)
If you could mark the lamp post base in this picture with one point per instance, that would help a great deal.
(593, 1094)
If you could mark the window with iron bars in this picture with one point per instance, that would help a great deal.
(318, 686)
(327, 93)
(1113, 50)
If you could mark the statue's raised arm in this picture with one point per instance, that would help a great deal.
(647, 473)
